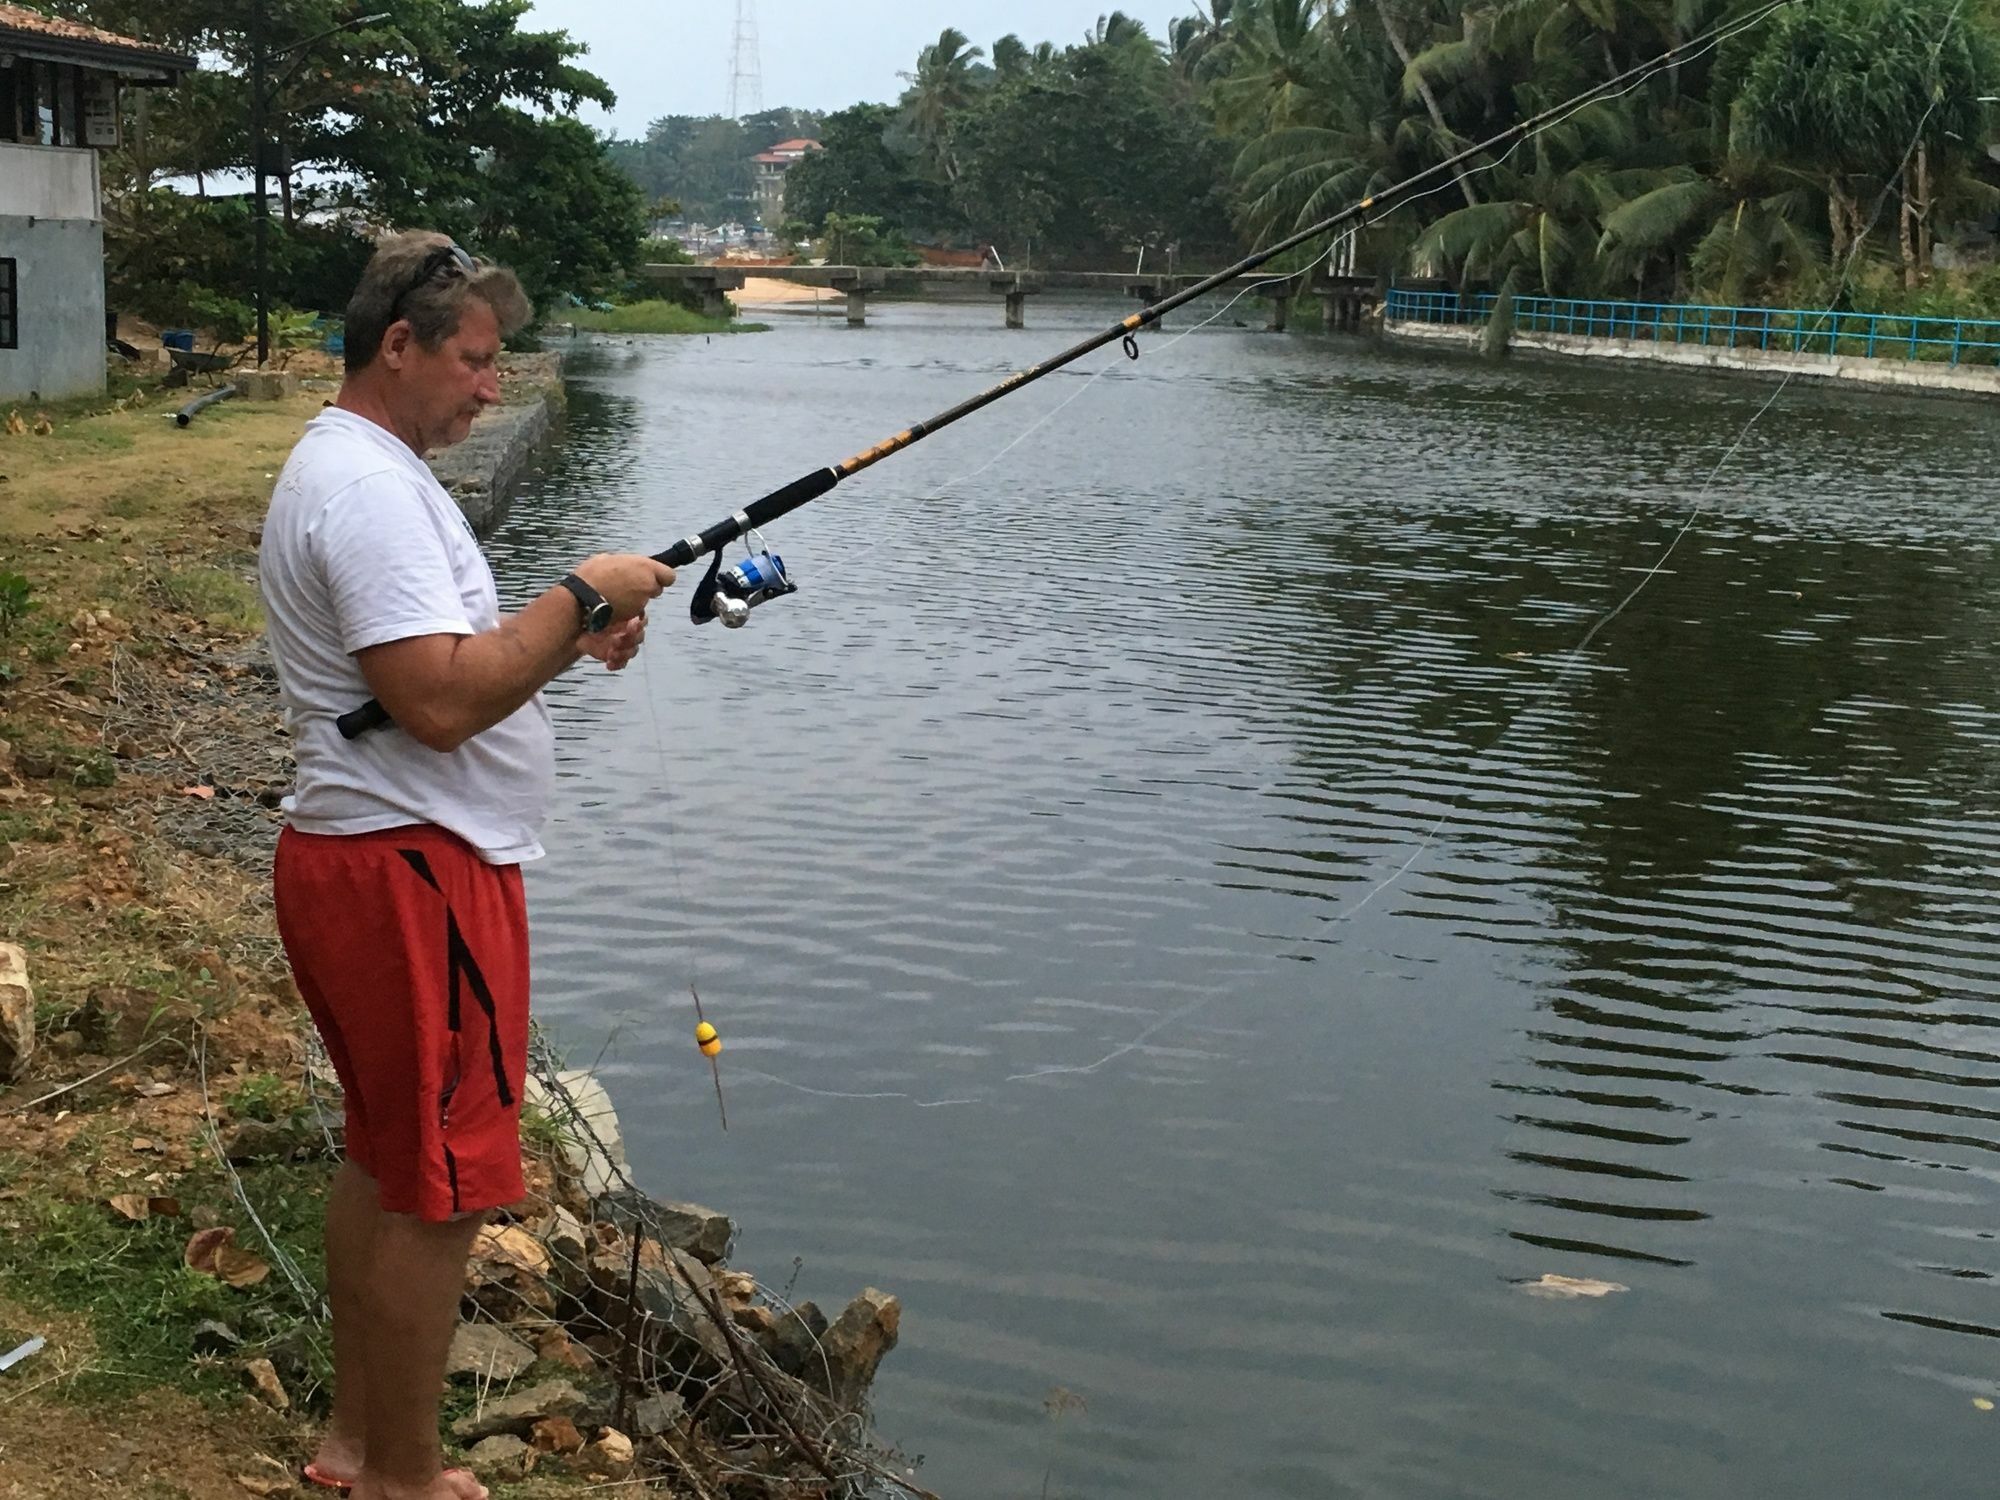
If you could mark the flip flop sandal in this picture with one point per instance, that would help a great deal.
(313, 1475)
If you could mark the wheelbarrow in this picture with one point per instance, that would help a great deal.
(189, 363)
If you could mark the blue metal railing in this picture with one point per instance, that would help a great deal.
(1788, 330)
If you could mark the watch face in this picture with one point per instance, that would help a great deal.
(599, 618)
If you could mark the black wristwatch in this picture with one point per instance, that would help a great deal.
(596, 608)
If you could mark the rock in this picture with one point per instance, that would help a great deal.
(568, 1246)
(118, 1017)
(265, 385)
(508, 1271)
(701, 1232)
(17, 1013)
(501, 1457)
(211, 1337)
(795, 1340)
(864, 1332)
(480, 1351)
(258, 1140)
(610, 1455)
(36, 765)
(556, 1435)
(262, 1378)
(759, 1322)
(558, 1348)
(519, 1412)
(659, 1414)
(593, 1145)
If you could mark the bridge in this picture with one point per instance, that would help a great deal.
(1349, 300)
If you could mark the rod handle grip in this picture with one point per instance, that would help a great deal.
(354, 724)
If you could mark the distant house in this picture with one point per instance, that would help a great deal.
(59, 106)
(772, 166)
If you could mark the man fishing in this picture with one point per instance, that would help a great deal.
(398, 876)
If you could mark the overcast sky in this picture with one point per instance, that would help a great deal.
(674, 59)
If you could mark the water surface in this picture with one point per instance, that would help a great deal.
(1032, 862)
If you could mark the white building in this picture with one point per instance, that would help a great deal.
(771, 168)
(59, 106)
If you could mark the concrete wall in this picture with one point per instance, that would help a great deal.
(1848, 370)
(49, 228)
(59, 279)
(47, 182)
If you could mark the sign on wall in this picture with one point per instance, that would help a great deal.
(100, 110)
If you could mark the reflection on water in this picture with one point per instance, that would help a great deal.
(1031, 861)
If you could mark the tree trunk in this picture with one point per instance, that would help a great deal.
(285, 180)
(141, 150)
(1924, 237)
(1395, 35)
(1905, 223)
(1836, 218)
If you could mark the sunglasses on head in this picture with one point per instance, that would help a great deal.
(446, 257)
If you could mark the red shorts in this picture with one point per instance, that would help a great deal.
(412, 954)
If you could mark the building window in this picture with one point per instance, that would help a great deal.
(10, 303)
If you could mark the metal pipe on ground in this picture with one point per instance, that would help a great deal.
(187, 413)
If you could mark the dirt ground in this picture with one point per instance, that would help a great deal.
(141, 757)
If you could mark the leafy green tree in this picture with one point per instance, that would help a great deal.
(1088, 159)
(1872, 94)
(939, 91)
(859, 171)
(432, 116)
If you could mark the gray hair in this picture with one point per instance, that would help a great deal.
(389, 292)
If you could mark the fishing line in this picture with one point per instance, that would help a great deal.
(1575, 655)
(1695, 49)
(1364, 215)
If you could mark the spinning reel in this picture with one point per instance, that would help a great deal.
(729, 593)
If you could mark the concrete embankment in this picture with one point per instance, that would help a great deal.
(481, 472)
(1845, 370)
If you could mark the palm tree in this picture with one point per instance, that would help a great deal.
(939, 89)
(1277, 76)
(1543, 222)
(1011, 58)
(1415, 79)
(1199, 44)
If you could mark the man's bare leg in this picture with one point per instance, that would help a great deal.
(410, 1296)
(353, 1211)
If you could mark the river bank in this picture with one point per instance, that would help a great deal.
(1854, 371)
(166, 1123)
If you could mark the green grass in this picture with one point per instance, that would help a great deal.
(657, 317)
(218, 597)
(131, 1283)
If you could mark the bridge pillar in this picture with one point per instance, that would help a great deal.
(1017, 309)
(714, 300)
(857, 307)
(1281, 312)
(1343, 310)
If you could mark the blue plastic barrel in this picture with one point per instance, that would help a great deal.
(178, 338)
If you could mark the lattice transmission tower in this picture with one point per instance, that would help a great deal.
(746, 73)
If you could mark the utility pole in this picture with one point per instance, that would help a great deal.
(746, 73)
(262, 225)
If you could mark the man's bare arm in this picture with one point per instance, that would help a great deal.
(444, 689)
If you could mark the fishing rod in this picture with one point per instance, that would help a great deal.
(729, 594)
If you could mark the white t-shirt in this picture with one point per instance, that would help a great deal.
(363, 546)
